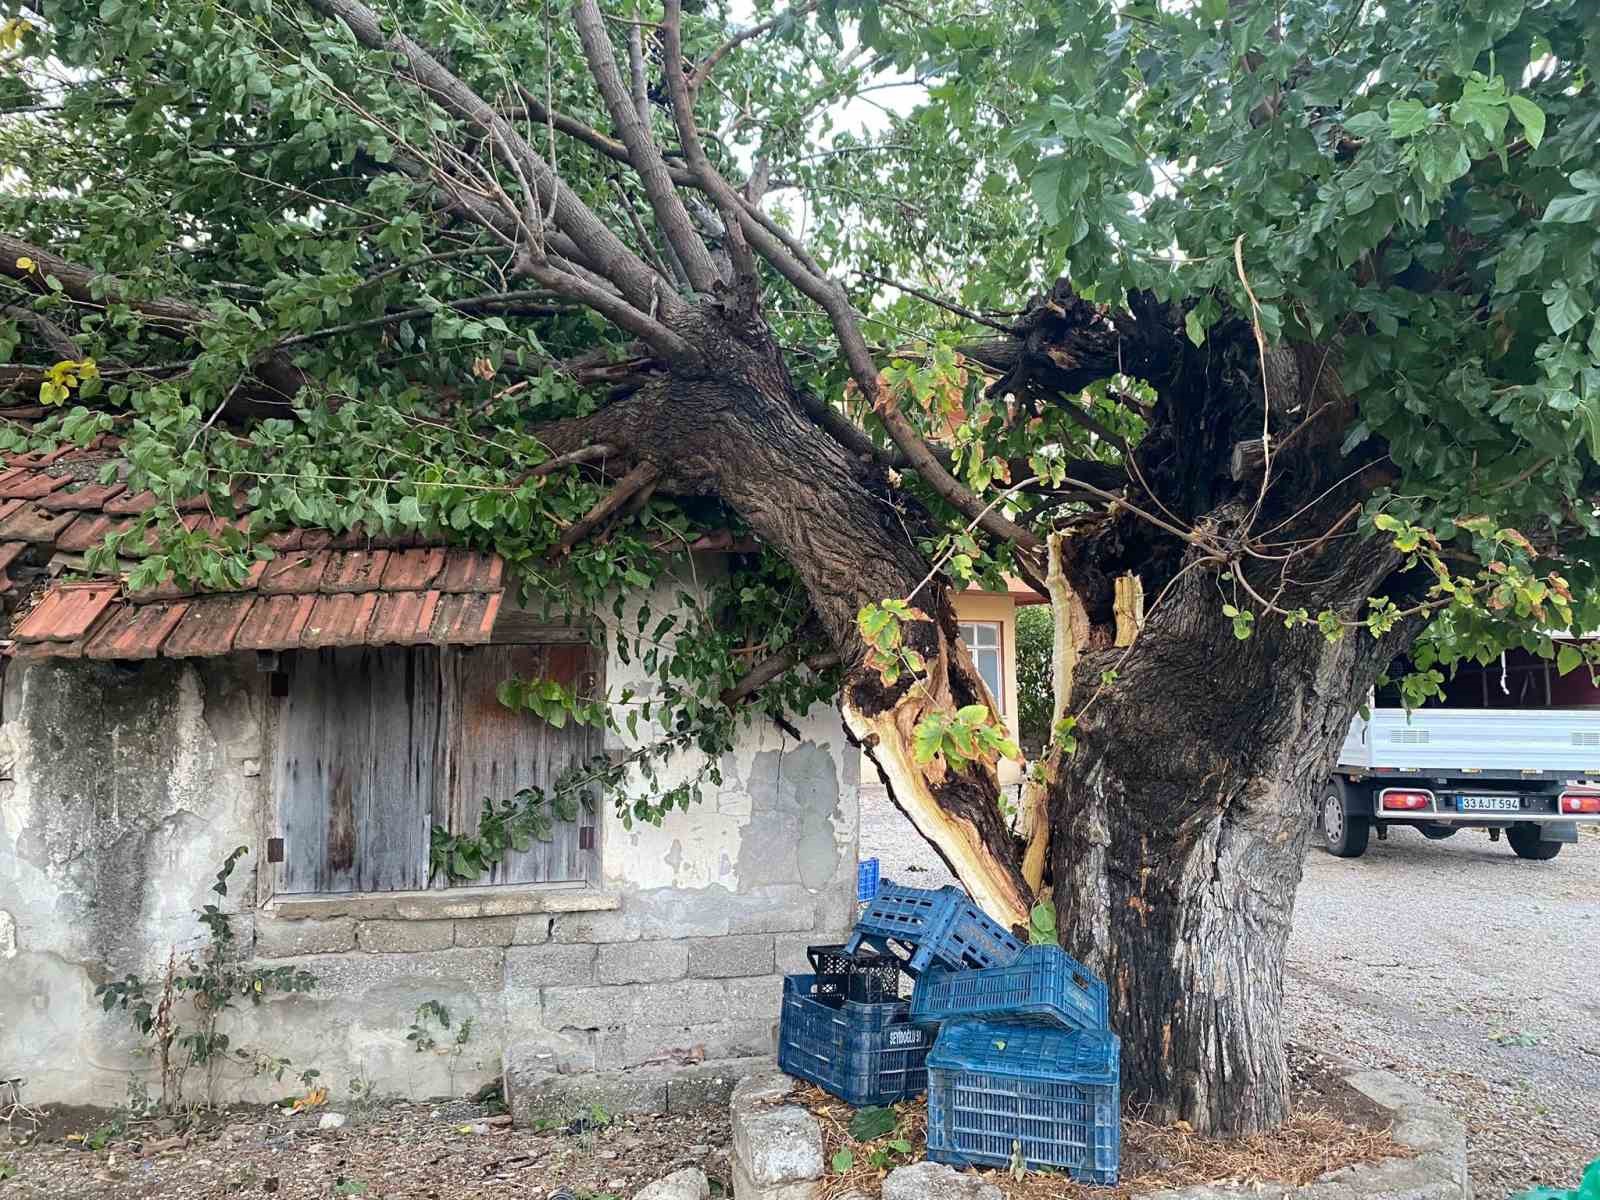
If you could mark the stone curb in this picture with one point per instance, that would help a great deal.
(1437, 1172)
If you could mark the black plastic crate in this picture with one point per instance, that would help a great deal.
(865, 976)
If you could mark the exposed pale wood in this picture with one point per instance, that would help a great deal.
(945, 808)
(1069, 629)
(1128, 604)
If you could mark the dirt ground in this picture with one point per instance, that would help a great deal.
(463, 1151)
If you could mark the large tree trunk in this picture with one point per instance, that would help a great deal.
(1179, 828)
(738, 429)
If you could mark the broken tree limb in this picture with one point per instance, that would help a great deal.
(1070, 625)
(957, 811)
(640, 477)
(1128, 605)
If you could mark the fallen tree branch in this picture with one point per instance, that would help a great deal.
(765, 671)
(641, 476)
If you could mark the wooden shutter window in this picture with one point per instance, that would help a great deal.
(359, 745)
(375, 746)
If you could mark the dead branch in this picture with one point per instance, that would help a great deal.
(768, 669)
(643, 475)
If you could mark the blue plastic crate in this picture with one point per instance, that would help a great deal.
(1054, 1094)
(1045, 986)
(866, 879)
(936, 926)
(862, 1053)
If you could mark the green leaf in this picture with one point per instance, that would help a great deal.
(1194, 327)
(973, 714)
(1407, 118)
(1581, 209)
(1530, 116)
(843, 1160)
(1568, 658)
(869, 1124)
(1563, 307)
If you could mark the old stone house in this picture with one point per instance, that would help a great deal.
(327, 716)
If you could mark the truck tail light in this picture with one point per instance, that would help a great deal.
(1580, 802)
(1405, 800)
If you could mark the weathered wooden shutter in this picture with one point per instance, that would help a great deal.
(493, 751)
(358, 764)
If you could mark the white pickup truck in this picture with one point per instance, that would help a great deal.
(1513, 748)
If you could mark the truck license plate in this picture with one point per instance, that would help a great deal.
(1488, 804)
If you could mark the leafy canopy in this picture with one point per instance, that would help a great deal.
(1416, 186)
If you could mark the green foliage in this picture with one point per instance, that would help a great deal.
(432, 1013)
(970, 734)
(207, 983)
(871, 1129)
(1423, 180)
(512, 825)
(870, 1124)
(1042, 929)
(1035, 676)
(1429, 177)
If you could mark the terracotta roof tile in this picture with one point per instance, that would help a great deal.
(131, 503)
(83, 497)
(8, 555)
(339, 620)
(411, 570)
(296, 571)
(135, 631)
(30, 523)
(466, 620)
(171, 589)
(403, 619)
(469, 571)
(31, 650)
(7, 507)
(66, 612)
(208, 627)
(355, 570)
(89, 531)
(30, 485)
(274, 623)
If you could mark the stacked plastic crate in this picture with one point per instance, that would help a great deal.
(1024, 1066)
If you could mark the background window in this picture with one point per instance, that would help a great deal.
(983, 640)
(376, 746)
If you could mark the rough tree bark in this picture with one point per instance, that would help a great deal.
(1179, 830)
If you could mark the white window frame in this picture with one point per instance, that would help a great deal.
(999, 649)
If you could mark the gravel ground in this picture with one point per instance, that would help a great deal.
(386, 1151)
(1454, 964)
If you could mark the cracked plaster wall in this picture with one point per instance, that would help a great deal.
(121, 790)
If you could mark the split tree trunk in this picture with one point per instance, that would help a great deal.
(1179, 830)
(739, 430)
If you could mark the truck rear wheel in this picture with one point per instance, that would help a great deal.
(1345, 833)
(1527, 843)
